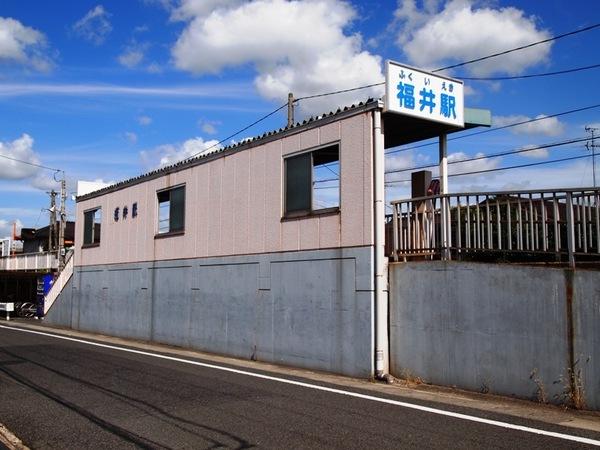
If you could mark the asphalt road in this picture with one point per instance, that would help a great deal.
(56, 393)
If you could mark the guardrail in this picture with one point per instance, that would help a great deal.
(29, 261)
(557, 225)
(60, 282)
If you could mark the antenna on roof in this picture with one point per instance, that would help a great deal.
(290, 110)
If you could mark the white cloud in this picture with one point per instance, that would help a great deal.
(535, 153)
(551, 176)
(168, 154)
(209, 90)
(21, 149)
(131, 137)
(154, 68)
(131, 57)
(550, 126)
(208, 126)
(189, 9)
(399, 161)
(436, 35)
(94, 26)
(471, 166)
(145, 120)
(23, 45)
(6, 228)
(30, 213)
(165, 4)
(44, 181)
(295, 46)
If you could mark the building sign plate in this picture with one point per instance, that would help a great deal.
(416, 93)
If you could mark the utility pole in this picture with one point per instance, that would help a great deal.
(290, 110)
(52, 230)
(62, 225)
(592, 146)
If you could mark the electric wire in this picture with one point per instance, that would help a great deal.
(31, 164)
(523, 47)
(498, 169)
(483, 58)
(495, 155)
(342, 91)
(581, 30)
(516, 77)
(490, 130)
(534, 75)
(236, 133)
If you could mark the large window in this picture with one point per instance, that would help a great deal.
(312, 181)
(92, 220)
(171, 210)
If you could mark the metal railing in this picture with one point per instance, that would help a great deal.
(540, 225)
(59, 283)
(29, 261)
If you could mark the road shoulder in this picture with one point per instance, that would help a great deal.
(550, 414)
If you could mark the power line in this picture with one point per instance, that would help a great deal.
(570, 33)
(516, 77)
(535, 75)
(495, 155)
(381, 83)
(30, 163)
(237, 132)
(520, 166)
(342, 91)
(585, 108)
(505, 52)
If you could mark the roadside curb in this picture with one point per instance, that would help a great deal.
(10, 440)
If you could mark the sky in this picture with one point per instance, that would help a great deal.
(107, 90)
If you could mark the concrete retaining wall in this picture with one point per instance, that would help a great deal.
(488, 327)
(309, 309)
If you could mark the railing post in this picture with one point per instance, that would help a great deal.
(570, 230)
(445, 228)
(395, 228)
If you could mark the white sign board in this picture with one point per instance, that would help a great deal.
(8, 307)
(424, 95)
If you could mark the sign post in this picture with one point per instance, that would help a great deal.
(428, 96)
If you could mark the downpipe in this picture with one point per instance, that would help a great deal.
(380, 274)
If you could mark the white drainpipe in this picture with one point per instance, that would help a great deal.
(381, 289)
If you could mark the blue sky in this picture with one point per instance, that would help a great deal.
(106, 90)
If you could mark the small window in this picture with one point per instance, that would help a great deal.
(92, 221)
(312, 181)
(171, 210)
(134, 210)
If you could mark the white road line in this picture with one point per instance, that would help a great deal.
(440, 412)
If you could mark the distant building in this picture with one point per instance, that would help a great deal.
(36, 241)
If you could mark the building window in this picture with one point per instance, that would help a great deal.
(171, 210)
(92, 221)
(312, 181)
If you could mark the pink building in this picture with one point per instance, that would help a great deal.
(271, 249)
